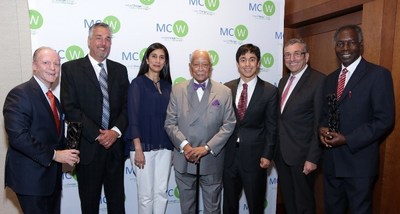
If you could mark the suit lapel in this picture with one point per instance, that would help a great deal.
(194, 102)
(110, 74)
(298, 86)
(91, 73)
(258, 90)
(43, 100)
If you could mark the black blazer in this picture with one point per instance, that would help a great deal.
(257, 130)
(366, 116)
(32, 135)
(82, 101)
(298, 139)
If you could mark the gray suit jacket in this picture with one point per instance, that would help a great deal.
(210, 121)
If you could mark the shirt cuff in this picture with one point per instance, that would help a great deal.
(183, 144)
(117, 130)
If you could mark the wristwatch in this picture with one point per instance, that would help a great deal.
(207, 148)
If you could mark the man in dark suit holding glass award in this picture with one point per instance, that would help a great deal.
(364, 116)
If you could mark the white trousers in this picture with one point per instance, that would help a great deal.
(152, 181)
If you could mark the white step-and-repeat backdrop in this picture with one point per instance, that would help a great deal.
(219, 26)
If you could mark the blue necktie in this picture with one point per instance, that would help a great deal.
(200, 85)
(104, 89)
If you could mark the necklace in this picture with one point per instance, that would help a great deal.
(156, 83)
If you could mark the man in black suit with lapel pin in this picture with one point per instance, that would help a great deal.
(365, 100)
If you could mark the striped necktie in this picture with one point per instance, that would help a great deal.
(341, 83)
(104, 89)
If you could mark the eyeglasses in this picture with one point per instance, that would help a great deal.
(350, 43)
(296, 55)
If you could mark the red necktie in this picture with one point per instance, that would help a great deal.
(53, 106)
(341, 81)
(285, 93)
(242, 105)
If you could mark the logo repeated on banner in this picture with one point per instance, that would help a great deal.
(179, 29)
(212, 5)
(74, 52)
(241, 32)
(267, 60)
(262, 11)
(269, 8)
(147, 2)
(214, 57)
(207, 7)
(179, 80)
(236, 35)
(113, 22)
(35, 19)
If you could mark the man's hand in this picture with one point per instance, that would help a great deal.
(69, 156)
(107, 138)
(331, 139)
(193, 155)
(309, 167)
(264, 163)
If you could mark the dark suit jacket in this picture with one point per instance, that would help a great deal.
(366, 116)
(32, 135)
(258, 128)
(299, 121)
(82, 101)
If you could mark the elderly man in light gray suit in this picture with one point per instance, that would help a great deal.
(200, 119)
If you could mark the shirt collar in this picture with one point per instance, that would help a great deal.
(352, 67)
(95, 64)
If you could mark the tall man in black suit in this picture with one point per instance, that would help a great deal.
(34, 123)
(366, 116)
(250, 149)
(102, 148)
(299, 150)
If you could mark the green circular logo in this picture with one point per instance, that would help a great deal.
(267, 60)
(269, 8)
(74, 52)
(241, 32)
(113, 22)
(176, 190)
(214, 57)
(176, 81)
(35, 19)
(265, 203)
(141, 53)
(147, 2)
(181, 28)
(212, 5)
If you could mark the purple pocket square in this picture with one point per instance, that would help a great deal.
(215, 103)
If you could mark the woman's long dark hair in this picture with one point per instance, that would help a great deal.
(144, 67)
